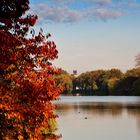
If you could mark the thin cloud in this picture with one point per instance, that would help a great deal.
(103, 2)
(104, 13)
(63, 11)
(57, 14)
(83, 1)
(131, 4)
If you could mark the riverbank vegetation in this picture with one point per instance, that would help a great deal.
(102, 82)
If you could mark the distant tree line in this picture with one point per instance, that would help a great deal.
(102, 82)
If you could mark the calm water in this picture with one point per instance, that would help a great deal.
(99, 118)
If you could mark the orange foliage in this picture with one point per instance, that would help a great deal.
(27, 86)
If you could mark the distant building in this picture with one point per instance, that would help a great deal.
(75, 72)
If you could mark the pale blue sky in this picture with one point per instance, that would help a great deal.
(91, 34)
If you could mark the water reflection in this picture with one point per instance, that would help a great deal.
(113, 109)
(117, 121)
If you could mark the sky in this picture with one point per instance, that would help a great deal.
(91, 34)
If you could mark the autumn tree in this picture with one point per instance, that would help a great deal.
(65, 79)
(27, 86)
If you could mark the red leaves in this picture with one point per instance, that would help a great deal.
(29, 20)
(27, 85)
(48, 35)
(28, 94)
(33, 20)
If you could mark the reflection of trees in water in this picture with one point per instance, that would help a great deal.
(112, 109)
(101, 109)
(63, 109)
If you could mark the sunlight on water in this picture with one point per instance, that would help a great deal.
(99, 118)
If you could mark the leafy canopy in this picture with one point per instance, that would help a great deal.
(27, 85)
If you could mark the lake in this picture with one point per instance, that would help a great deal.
(98, 118)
